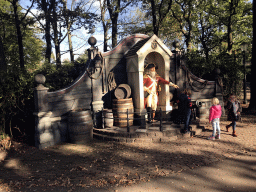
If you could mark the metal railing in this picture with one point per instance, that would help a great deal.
(142, 119)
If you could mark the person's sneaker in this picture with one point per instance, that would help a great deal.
(211, 138)
(217, 137)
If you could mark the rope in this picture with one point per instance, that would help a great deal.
(193, 82)
(111, 81)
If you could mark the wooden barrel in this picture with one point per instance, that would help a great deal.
(123, 91)
(120, 107)
(108, 118)
(80, 126)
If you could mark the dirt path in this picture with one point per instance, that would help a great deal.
(71, 167)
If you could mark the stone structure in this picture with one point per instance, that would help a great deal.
(94, 89)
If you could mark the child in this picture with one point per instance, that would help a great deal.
(184, 108)
(233, 107)
(214, 118)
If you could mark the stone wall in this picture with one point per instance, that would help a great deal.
(52, 109)
(93, 90)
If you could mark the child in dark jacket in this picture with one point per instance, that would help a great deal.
(234, 109)
(214, 118)
(185, 106)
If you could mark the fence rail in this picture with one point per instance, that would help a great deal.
(142, 119)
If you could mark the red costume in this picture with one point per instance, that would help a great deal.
(152, 85)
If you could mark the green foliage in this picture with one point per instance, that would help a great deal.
(16, 85)
(81, 60)
(59, 78)
(230, 66)
(16, 102)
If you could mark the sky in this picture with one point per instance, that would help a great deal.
(79, 39)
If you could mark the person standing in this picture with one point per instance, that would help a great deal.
(233, 107)
(184, 110)
(214, 118)
(151, 82)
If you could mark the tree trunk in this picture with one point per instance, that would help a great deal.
(70, 46)
(105, 46)
(56, 37)
(114, 30)
(105, 24)
(3, 65)
(19, 36)
(229, 36)
(155, 28)
(252, 105)
(48, 37)
(71, 52)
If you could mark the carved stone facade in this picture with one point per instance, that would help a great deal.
(94, 89)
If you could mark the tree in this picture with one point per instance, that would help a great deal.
(211, 42)
(68, 25)
(228, 14)
(18, 22)
(105, 23)
(160, 10)
(16, 87)
(47, 7)
(63, 21)
(140, 20)
(252, 105)
(208, 33)
(3, 65)
(184, 12)
(78, 15)
(115, 7)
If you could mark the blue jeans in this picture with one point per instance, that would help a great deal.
(233, 124)
(215, 126)
(187, 120)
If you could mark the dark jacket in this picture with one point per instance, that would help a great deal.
(184, 105)
(231, 113)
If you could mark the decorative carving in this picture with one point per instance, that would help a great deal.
(111, 81)
(154, 45)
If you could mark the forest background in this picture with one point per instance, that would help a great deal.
(35, 34)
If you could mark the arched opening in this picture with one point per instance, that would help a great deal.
(159, 61)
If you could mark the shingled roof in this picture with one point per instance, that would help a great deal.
(136, 47)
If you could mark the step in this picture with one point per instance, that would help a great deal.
(137, 140)
(152, 133)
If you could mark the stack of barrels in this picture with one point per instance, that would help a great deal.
(123, 106)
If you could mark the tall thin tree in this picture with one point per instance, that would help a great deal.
(160, 10)
(252, 105)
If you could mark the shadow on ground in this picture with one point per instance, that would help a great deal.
(97, 165)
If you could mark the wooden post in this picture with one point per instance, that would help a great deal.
(128, 127)
(161, 120)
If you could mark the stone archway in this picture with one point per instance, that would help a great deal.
(158, 60)
(154, 51)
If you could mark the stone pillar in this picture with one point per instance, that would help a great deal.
(40, 94)
(95, 69)
(97, 107)
(97, 103)
(43, 132)
(44, 136)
